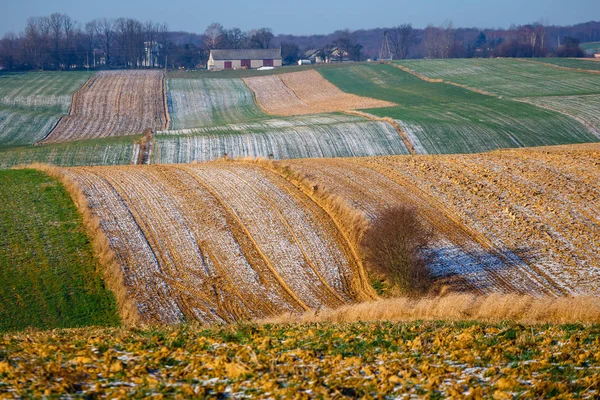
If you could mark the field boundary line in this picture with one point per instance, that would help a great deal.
(344, 216)
(186, 169)
(254, 98)
(166, 102)
(296, 240)
(590, 71)
(73, 99)
(106, 256)
(407, 142)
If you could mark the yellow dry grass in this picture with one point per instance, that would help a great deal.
(462, 307)
(305, 92)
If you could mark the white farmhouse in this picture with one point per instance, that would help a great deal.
(244, 58)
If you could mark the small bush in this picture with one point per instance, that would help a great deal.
(394, 248)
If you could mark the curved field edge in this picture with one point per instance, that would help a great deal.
(49, 274)
(111, 269)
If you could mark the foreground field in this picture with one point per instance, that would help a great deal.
(32, 103)
(49, 276)
(441, 118)
(114, 103)
(305, 92)
(315, 360)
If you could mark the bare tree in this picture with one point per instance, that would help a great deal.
(105, 34)
(261, 38)
(235, 39)
(213, 36)
(402, 38)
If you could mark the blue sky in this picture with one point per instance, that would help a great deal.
(306, 16)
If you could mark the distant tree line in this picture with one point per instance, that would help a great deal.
(57, 42)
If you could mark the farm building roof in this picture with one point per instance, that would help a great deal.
(246, 54)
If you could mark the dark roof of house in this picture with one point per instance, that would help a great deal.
(246, 54)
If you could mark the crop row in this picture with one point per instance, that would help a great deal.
(330, 140)
(218, 243)
(114, 103)
(210, 102)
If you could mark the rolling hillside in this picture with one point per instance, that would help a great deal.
(440, 118)
(229, 241)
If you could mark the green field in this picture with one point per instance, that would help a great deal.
(575, 63)
(590, 46)
(109, 151)
(210, 102)
(508, 77)
(32, 103)
(246, 73)
(442, 118)
(49, 277)
(352, 360)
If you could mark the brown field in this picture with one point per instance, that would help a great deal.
(114, 103)
(239, 240)
(306, 92)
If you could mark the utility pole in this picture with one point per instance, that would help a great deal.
(87, 61)
(166, 58)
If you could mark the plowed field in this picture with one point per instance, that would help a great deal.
(305, 92)
(220, 242)
(114, 103)
(525, 221)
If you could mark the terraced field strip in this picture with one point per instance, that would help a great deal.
(316, 136)
(585, 109)
(49, 276)
(440, 118)
(114, 103)
(210, 102)
(305, 92)
(538, 206)
(511, 78)
(578, 64)
(109, 151)
(218, 243)
(32, 103)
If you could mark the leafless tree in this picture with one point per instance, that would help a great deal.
(105, 34)
(213, 36)
(235, 38)
(402, 38)
(261, 38)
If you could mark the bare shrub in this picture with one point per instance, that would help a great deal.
(394, 248)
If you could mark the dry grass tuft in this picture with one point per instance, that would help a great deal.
(112, 272)
(491, 308)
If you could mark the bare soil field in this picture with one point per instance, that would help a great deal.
(219, 242)
(114, 103)
(305, 92)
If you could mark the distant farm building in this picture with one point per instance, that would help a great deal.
(244, 58)
(597, 55)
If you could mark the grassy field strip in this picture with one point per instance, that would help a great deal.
(538, 206)
(19, 127)
(49, 277)
(194, 244)
(350, 139)
(359, 360)
(443, 118)
(114, 103)
(210, 102)
(305, 92)
(584, 108)
(112, 151)
(32, 103)
(577, 64)
(511, 78)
